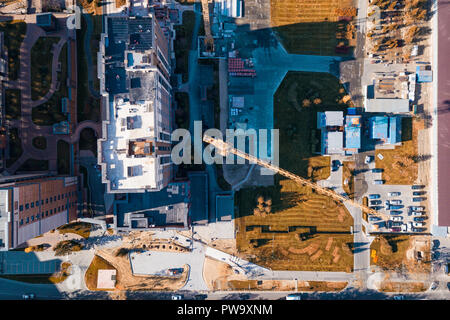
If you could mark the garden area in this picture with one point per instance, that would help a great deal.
(50, 112)
(12, 104)
(14, 33)
(41, 66)
(80, 228)
(288, 226)
(15, 147)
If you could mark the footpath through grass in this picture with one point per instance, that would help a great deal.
(14, 32)
(41, 66)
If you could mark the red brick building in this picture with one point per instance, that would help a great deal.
(33, 204)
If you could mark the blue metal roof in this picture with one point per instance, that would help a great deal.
(394, 130)
(353, 132)
(379, 126)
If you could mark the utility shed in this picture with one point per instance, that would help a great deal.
(387, 105)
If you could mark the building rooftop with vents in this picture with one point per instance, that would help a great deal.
(137, 98)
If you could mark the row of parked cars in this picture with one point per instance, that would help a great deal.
(394, 207)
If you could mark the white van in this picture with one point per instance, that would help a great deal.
(293, 297)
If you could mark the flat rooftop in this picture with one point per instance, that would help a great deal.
(130, 123)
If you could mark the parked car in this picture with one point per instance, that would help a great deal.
(395, 207)
(399, 297)
(447, 266)
(393, 212)
(434, 285)
(397, 218)
(377, 170)
(376, 207)
(415, 187)
(378, 181)
(418, 213)
(374, 196)
(375, 202)
(368, 159)
(177, 297)
(396, 201)
(418, 193)
(394, 194)
(419, 199)
(417, 229)
(417, 208)
(418, 224)
(28, 296)
(335, 164)
(396, 229)
(419, 219)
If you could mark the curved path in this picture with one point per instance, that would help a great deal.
(25, 125)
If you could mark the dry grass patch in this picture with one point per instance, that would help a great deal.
(312, 26)
(91, 274)
(81, 228)
(299, 228)
(126, 281)
(401, 165)
(348, 179)
(398, 251)
(390, 286)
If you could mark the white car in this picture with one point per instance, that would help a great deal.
(396, 201)
(293, 297)
(418, 213)
(368, 159)
(177, 297)
(393, 194)
(396, 218)
(418, 224)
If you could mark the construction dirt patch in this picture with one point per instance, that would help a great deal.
(401, 165)
(129, 282)
(402, 252)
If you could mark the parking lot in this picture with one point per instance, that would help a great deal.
(402, 213)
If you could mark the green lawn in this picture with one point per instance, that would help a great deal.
(63, 152)
(183, 44)
(12, 104)
(41, 66)
(15, 147)
(14, 33)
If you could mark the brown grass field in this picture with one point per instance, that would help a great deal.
(400, 165)
(298, 217)
(399, 256)
(310, 26)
